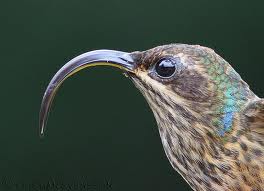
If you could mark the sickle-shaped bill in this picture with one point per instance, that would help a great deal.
(113, 58)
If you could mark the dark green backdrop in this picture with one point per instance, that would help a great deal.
(101, 134)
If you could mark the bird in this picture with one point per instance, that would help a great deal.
(210, 122)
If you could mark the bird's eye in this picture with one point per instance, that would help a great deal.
(165, 68)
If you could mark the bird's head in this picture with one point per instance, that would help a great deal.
(192, 91)
(183, 84)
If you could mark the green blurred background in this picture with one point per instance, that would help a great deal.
(101, 130)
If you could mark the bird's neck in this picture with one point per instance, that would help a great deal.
(196, 151)
(191, 136)
(206, 160)
(200, 159)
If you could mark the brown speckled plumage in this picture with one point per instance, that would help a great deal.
(185, 109)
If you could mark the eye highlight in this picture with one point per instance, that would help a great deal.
(165, 68)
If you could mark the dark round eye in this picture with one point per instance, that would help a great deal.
(165, 68)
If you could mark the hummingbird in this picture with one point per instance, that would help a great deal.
(210, 123)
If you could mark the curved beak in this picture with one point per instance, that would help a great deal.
(113, 58)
